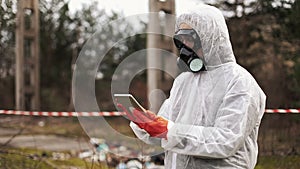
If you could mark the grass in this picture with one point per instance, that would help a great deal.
(61, 126)
(278, 162)
(14, 158)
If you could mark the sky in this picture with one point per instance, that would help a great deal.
(130, 7)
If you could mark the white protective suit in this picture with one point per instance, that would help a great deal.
(216, 113)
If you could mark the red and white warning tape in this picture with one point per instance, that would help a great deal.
(113, 113)
(282, 110)
(66, 114)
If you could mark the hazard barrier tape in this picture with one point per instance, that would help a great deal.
(282, 110)
(65, 114)
(113, 113)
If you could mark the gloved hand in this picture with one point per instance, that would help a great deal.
(155, 125)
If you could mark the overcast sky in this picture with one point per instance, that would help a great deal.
(130, 7)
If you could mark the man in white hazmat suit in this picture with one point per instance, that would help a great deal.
(212, 117)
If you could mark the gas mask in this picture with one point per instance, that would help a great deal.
(188, 60)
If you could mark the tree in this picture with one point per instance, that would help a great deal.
(7, 38)
(63, 37)
(235, 8)
(266, 42)
(7, 59)
(286, 42)
(57, 37)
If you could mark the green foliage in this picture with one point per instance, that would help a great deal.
(293, 24)
(31, 159)
(7, 38)
(18, 160)
(109, 64)
(7, 59)
(56, 40)
(288, 18)
(266, 43)
(62, 37)
(236, 8)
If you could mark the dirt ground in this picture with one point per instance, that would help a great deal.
(47, 142)
(42, 133)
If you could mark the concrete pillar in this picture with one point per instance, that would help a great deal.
(156, 78)
(27, 56)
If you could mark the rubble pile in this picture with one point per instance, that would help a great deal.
(105, 153)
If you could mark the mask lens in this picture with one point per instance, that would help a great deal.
(180, 40)
(177, 41)
(187, 37)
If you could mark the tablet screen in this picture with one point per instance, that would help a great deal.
(129, 102)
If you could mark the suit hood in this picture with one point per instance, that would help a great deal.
(211, 27)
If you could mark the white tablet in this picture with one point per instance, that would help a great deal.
(129, 102)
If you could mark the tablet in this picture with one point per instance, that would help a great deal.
(129, 102)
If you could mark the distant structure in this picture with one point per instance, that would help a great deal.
(27, 93)
(27, 56)
(159, 23)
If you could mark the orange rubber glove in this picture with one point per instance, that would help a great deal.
(155, 125)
